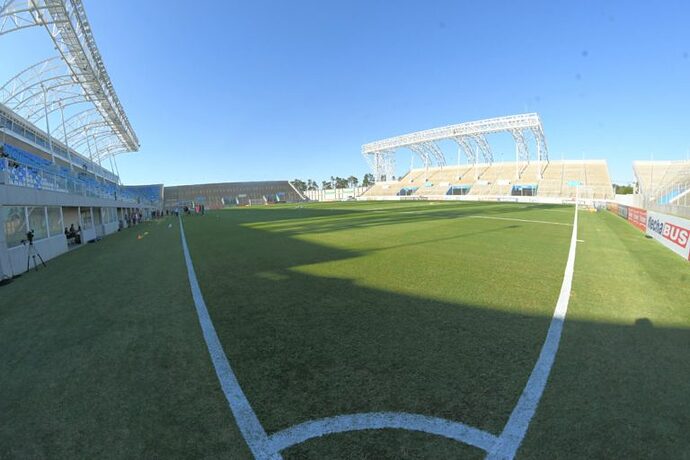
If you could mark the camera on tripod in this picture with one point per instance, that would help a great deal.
(29, 238)
(31, 251)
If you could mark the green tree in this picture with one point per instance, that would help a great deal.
(340, 182)
(368, 180)
(299, 185)
(326, 185)
(623, 189)
(352, 181)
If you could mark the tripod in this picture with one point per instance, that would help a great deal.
(31, 253)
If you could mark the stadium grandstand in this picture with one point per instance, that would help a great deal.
(499, 180)
(492, 306)
(61, 127)
(481, 177)
(664, 185)
(228, 194)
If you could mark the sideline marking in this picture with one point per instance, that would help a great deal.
(520, 220)
(379, 420)
(246, 419)
(515, 430)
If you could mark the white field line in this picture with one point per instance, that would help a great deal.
(530, 221)
(504, 446)
(514, 432)
(381, 420)
(557, 210)
(520, 220)
(246, 419)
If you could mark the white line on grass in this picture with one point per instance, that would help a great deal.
(245, 417)
(503, 446)
(514, 432)
(381, 420)
(521, 220)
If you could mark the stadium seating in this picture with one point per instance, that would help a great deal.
(663, 182)
(28, 170)
(506, 179)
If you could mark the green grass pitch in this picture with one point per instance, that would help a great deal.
(430, 308)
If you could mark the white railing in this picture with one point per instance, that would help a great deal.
(19, 174)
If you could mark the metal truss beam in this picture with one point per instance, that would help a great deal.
(17, 15)
(77, 75)
(465, 144)
(422, 152)
(484, 147)
(481, 127)
(424, 143)
(382, 164)
(540, 140)
(522, 148)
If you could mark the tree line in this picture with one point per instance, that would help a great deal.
(334, 183)
(623, 189)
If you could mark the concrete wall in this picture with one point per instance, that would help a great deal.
(339, 194)
(110, 228)
(629, 200)
(48, 248)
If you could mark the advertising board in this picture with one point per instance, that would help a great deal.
(623, 211)
(638, 217)
(671, 231)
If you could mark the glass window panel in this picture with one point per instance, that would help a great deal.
(15, 225)
(55, 221)
(86, 222)
(37, 222)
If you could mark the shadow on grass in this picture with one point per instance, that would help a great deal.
(307, 347)
(112, 363)
(318, 220)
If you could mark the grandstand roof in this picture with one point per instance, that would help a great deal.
(470, 137)
(75, 78)
(655, 178)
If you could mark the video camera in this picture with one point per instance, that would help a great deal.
(29, 237)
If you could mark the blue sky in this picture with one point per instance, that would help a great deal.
(252, 90)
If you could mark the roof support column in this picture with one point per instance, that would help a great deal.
(69, 154)
(539, 175)
(88, 144)
(116, 169)
(50, 138)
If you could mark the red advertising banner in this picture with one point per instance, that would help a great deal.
(638, 217)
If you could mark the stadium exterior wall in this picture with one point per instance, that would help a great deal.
(629, 200)
(219, 195)
(107, 217)
(338, 194)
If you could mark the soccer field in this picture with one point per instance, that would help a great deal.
(351, 317)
